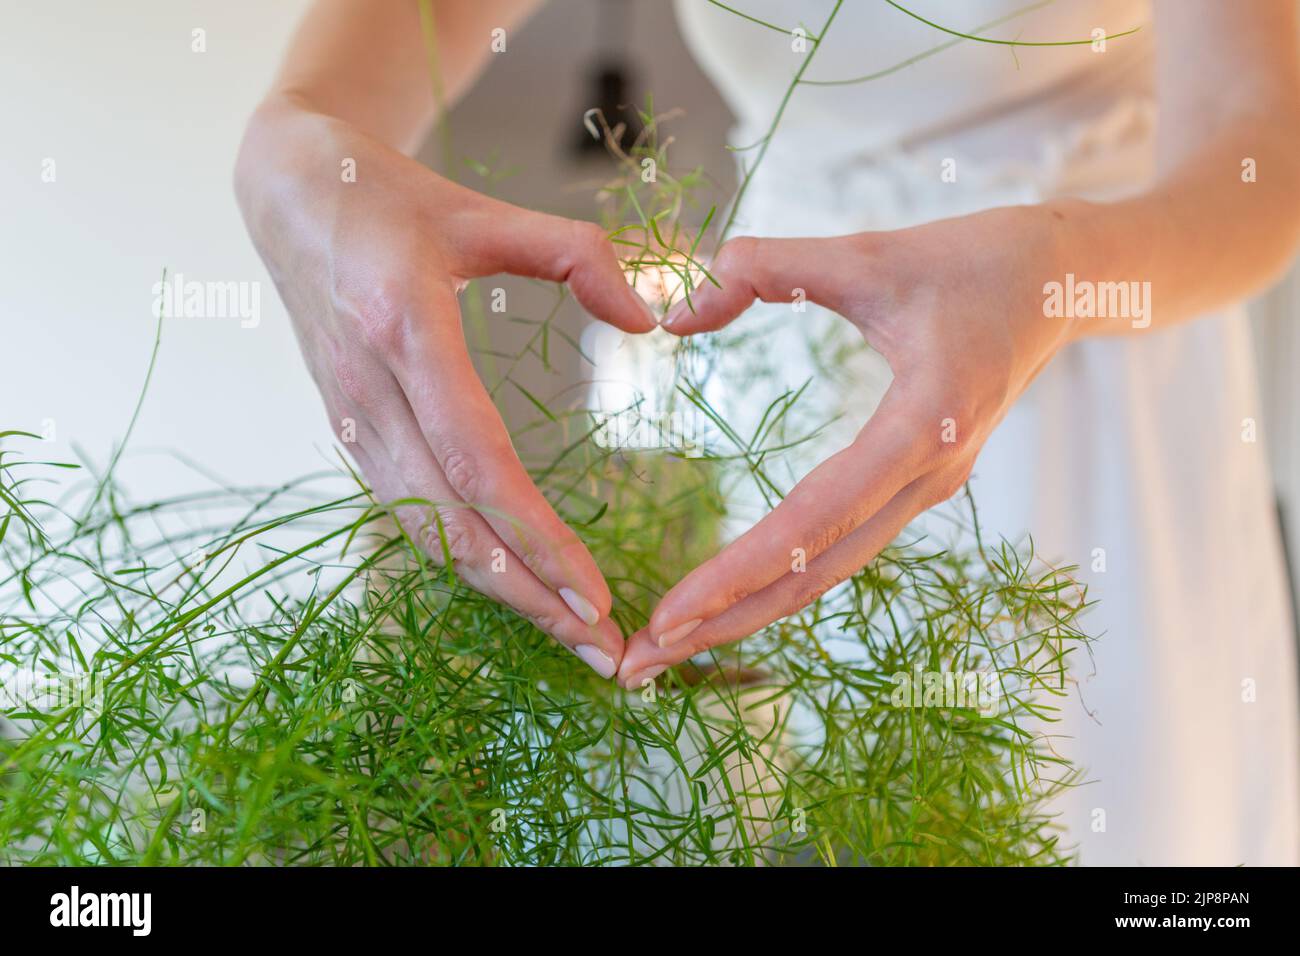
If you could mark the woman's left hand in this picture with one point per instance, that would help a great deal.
(957, 309)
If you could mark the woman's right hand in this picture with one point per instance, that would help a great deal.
(369, 271)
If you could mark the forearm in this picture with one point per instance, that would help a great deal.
(1223, 217)
(367, 62)
(1203, 236)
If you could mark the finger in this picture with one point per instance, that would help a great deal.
(505, 238)
(480, 558)
(600, 646)
(772, 270)
(645, 659)
(830, 503)
(488, 565)
(464, 431)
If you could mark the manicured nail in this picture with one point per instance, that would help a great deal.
(671, 637)
(580, 606)
(646, 308)
(650, 673)
(597, 660)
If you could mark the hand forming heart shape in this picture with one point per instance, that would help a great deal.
(956, 309)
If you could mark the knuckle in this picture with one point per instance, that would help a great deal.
(735, 592)
(411, 520)
(693, 645)
(545, 554)
(568, 548)
(954, 449)
(947, 486)
(379, 313)
(588, 245)
(463, 472)
(825, 523)
(545, 621)
(809, 589)
(590, 238)
(734, 254)
(353, 383)
(828, 533)
(461, 541)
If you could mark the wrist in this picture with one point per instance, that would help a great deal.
(280, 140)
(272, 139)
(1071, 251)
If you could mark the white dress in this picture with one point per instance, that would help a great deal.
(1128, 450)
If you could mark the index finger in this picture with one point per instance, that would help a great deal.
(499, 237)
(830, 503)
(644, 659)
(468, 438)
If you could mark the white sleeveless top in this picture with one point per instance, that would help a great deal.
(1129, 449)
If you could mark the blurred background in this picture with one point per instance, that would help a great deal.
(140, 132)
(143, 132)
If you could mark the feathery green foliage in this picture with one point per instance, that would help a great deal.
(297, 686)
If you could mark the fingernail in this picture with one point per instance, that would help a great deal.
(650, 673)
(673, 315)
(580, 606)
(671, 637)
(597, 660)
(646, 308)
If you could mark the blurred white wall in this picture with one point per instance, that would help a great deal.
(143, 133)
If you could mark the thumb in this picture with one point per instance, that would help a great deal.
(771, 270)
(541, 246)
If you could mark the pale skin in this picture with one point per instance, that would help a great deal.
(955, 307)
